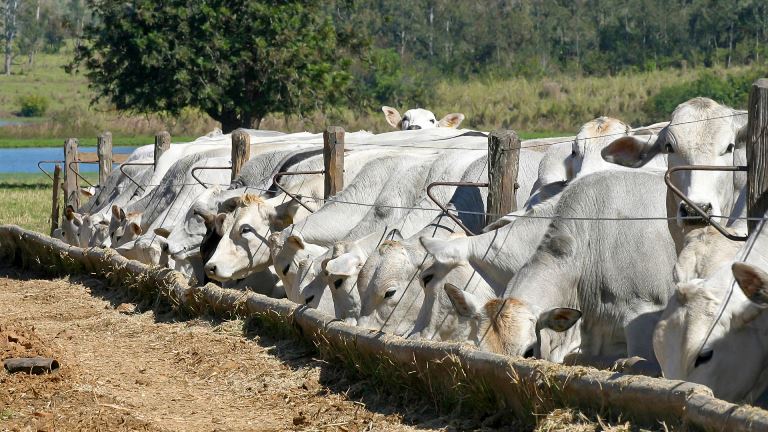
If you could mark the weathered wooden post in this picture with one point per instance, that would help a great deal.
(333, 156)
(104, 152)
(503, 157)
(757, 152)
(241, 151)
(71, 180)
(162, 143)
(55, 199)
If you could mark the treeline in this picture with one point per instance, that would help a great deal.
(538, 37)
(32, 26)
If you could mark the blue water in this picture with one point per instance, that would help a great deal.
(25, 159)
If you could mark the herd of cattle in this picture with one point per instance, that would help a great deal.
(601, 265)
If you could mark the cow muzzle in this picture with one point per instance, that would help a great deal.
(413, 127)
(689, 216)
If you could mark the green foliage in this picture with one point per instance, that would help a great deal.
(32, 105)
(732, 90)
(380, 80)
(236, 60)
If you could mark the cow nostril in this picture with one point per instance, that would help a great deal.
(211, 269)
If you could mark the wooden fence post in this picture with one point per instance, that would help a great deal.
(71, 180)
(503, 157)
(104, 152)
(55, 199)
(333, 156)
(162, 143)
(241, 151)
(757, 152)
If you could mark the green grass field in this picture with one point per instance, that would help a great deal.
(25, 200)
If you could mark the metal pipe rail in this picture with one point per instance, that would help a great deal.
(297, 198)
(77, 173)
(696, 208)
(445, 209)
(47, 161)
(207, 168)
(128, 175)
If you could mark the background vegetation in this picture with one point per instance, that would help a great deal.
(529, 65)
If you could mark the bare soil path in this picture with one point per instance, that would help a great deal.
(123, 368)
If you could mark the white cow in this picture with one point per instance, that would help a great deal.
(700, 132)
(716, 334)
(419, 118)
(618, 273)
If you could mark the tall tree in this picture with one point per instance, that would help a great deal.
(237, 60)
(10, 12)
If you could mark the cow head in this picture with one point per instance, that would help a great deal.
(724, 347)
(419, 118)
(70, 226)
(390, 295)
(592, 138)
(509, 326)
(244, 247)
(700, 132)
(293, 259)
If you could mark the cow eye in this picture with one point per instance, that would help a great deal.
(337, 283)
(528, 353)
(729, 149)
(703, 357)
(286, 268)
(668, 148)
(432, 121)
(390, 292)
(427, 279)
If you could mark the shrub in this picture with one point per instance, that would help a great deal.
(730, 90)
(33, 105)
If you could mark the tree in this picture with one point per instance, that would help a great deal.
(10, 12)
(237, 60)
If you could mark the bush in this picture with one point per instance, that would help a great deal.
(33, 106)
(729, 90)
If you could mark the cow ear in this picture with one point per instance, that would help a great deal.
(86, 192)
(118, 213)
(229, 205)
(632, 151)
(69, 213)
(297, 240)
(559, 319)
(208, 217)
(135, 228)
(218, 223)
(343, 265)
(752, 281)
(162, 232)
(393, 116)
(283, 216)
(465, 303)
(452, 120)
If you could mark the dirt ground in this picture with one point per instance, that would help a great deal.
(129, 369)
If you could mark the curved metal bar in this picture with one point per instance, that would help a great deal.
(297, 198)
(696, 208)
(47, 161)
(78, 174)
(129, 176)
(445, 209)
(206, 168)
